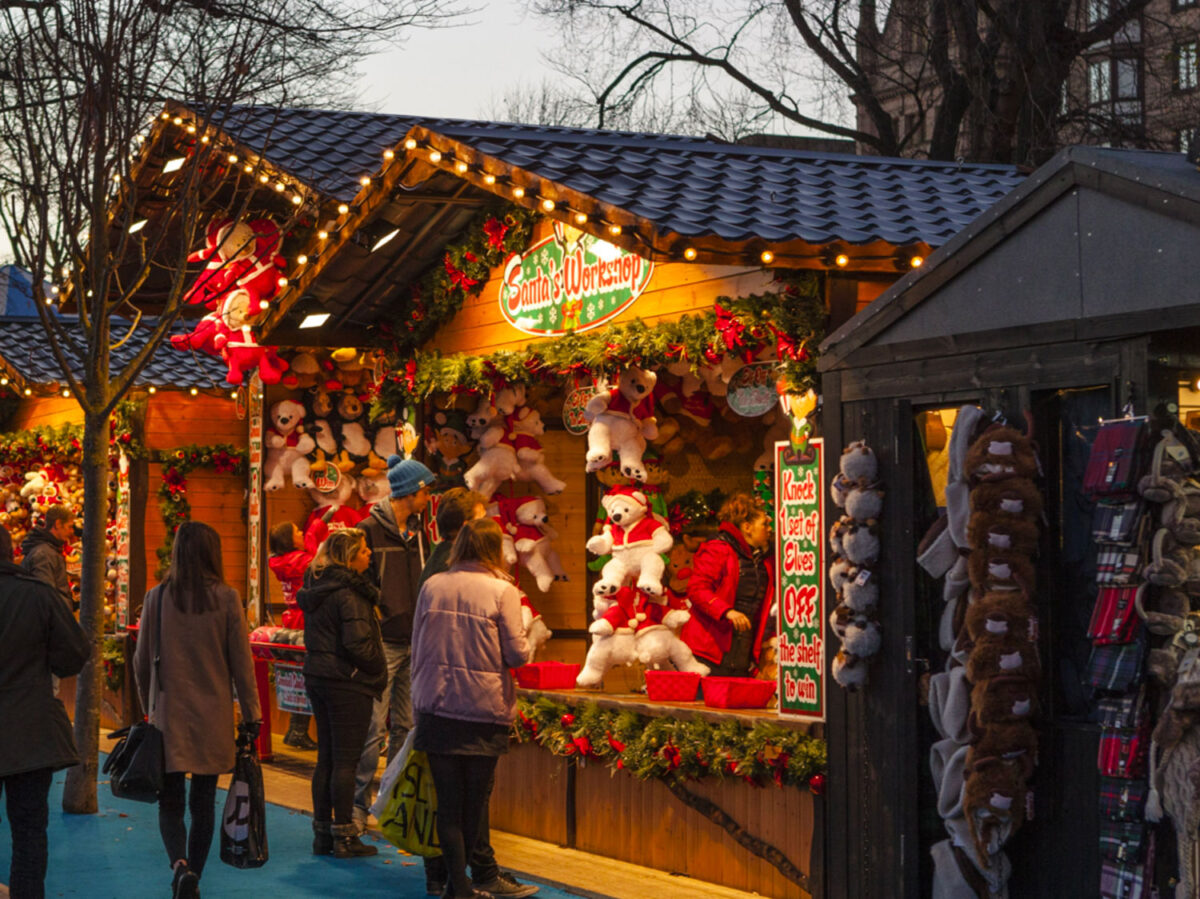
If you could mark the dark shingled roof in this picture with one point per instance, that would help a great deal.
(687, 185)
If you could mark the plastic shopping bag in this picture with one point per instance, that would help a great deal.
(244, 821)
(407, 804)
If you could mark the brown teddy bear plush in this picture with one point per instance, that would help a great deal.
(1000, 612)
(1009, 654)
(1014, 742)
(1001, 700)
(988, 531)
(993, 804)
(997, 570)
(1015, 497)
(999, 454)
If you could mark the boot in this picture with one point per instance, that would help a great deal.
(322, 838)
(346, 843)
(297, 736)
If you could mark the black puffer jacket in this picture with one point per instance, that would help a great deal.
(341, 631)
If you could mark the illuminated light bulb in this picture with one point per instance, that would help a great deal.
(54, 289)
(489, 179)
(767, 257)
(116, 176)
(282, 282)
(66, 391)
(365, 181)
(322, 235)
(581, 218)
(614, 230)
(248, 168)
(194, 391)
(461, 167)
(151, 389)
(233, 394)
(841, 260)
(343, 208)
(178, 120)
(204, 139)
(518, 192)
(166, 115)
(191, 129)
(435, 156)
(264, 177)
(3, 382)
(28, 392)
(137, 226)
(173, 165)
(297, 199)
(389, 154)
(548, 205)
(279, 187)
(232, 158)
(387, 238)
(49, 302)
(141, 138)
(410, 144)
(689, 253)
(301, 259)
(916, 261)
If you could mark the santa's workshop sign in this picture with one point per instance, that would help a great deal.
(570, 281)
(799, 504)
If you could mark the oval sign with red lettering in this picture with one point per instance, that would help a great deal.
(570, 281)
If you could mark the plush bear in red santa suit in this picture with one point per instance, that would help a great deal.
(635, 538)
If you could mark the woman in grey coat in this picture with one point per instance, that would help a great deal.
(203, 647)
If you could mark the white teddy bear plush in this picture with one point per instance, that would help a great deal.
(525, 426)
(528, 523)
(622, 419)
(613, 641)
(287, 445)
(497, 460)
(35, 483)
(657, 642)
(635, 538)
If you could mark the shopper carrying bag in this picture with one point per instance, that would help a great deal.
(195, 626)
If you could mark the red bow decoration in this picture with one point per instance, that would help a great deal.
(677, 349)
(410, 375)
(583, 746)
(729, 328)
(781, 761)
(458, 278)
(495, 231)
(677, 519)
(528, 723)
(617, 746)
(674, 757)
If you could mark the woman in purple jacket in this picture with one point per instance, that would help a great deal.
(467, 633)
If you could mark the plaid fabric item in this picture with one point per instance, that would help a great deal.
(1119, 881)
(1114, 618)
(1121, 799)
(1121, 841)
(1122, 753)
(1116, 667)
(1118, 522)
(1123, 711)
(1118, 565)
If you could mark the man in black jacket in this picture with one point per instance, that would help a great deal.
(43, 550)
(397, 544)
(38, 636)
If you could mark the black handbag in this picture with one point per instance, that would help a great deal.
(244, 820)
(137, 764)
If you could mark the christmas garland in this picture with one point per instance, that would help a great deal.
(113, 656)
(43, 444)
(673, 748)
(790, 322)
(172, 492)
(490, 237)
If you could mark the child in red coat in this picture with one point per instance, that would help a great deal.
(291, 553)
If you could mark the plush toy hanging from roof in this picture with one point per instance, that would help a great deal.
(508, 430)
(622, 419)
(241, 275)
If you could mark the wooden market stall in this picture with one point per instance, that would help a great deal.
(1074, 303)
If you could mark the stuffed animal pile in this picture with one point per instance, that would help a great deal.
(854, 546)
(507, 432)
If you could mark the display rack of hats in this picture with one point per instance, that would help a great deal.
(1120, 522)
(983, 702)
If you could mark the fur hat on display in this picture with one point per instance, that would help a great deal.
(999, 454)
(1016, 497)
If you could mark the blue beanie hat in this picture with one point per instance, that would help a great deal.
(407, 476)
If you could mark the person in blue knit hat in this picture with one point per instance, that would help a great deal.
(395, 535)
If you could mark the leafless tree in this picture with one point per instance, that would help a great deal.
(981, 79)
(83, 84)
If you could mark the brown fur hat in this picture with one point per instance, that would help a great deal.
(989, 531)
(993, 803)
(1010, 654)
(996, 570)
(1014, 742)
(1000, 612)
(999, 454)
(1017, 497)
(1000, 700)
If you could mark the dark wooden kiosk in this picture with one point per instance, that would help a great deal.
(1072, 298)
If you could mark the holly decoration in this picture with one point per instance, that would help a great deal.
(667, 748)
(173, 503)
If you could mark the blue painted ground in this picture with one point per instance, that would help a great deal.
(118, 854)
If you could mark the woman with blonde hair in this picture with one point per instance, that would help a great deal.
(192, 644)
(467, 634)
(344, 673)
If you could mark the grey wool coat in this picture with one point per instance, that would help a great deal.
(202, 657)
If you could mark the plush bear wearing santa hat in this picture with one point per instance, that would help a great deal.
(635, 538)
(622, 419)
(612, 638)
(528, 523)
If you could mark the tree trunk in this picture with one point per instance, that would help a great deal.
(79, 795)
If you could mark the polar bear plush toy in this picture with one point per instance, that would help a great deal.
(497, 460)
(612, 644)
(287, 445)
(524, 427)
(622, 419)
(528, 523)
(635, 538)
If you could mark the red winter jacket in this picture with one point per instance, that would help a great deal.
(711, 589)
(290, 568)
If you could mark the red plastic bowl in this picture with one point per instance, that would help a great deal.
(547, 676)
(672, 686)
(736, 692)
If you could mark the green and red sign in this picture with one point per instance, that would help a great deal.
(570, 281)
(800, 581)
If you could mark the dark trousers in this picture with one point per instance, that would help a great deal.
(482, 858)
(343, 719)
(181, 842)
(28, 815)
(464, 786)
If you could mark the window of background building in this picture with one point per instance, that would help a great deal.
(1097, 10)
(1128, 78)
(1184, 4)
(1185, 141)
(1187, 65)
(1100, 81)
